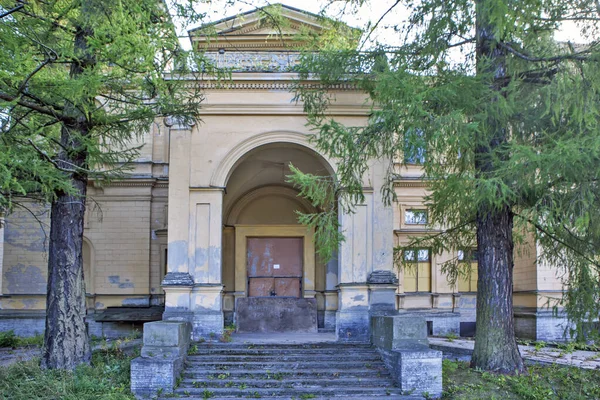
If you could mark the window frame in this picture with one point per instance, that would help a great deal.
(415, 261)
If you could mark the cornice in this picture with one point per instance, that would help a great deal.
(279, 109)
(132, 182)
(265, 85)
(411, 183)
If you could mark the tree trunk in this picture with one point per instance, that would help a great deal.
(495, 343)
(66, 342)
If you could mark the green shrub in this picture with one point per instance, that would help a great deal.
(8, 339)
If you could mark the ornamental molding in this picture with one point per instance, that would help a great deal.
(284, 86)
(251, 45)
(131, 182)
(411, 184)
(255, 61)
(280, 109)
(179, 123)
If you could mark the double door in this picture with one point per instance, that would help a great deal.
(274, 266)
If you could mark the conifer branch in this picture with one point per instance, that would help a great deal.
(42, 110)
(12, 10)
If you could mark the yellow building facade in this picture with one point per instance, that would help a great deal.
(205, 226)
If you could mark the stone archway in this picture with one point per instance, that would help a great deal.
(260, 216)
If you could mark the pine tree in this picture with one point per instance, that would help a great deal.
(508, 122)
(79, 79)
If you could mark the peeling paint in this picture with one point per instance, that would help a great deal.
(358, 298)
(25, 279)
(136, 301)
(116, 280)
(30, 303)
(207, 265)
(30, 240)
(178, 256)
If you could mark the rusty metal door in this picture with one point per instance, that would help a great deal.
(274, 266)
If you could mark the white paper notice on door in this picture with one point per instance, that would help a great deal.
(275, 266)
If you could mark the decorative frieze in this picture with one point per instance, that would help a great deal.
(255, 61)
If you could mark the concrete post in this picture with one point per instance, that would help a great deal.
(162, 359)
(402, 343)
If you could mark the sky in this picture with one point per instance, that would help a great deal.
(218, 9)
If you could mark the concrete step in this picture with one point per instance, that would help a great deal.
(282, 346)
(284, 382)
(296, 397)
(284, 371)
(284, 357)
(322, 351)
(275, 365)
(298, 392)
(203, 373)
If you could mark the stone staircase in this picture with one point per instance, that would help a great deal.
(286, 371)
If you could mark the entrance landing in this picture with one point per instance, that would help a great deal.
(282, 338)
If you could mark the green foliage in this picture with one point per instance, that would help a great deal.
(8, 339)
(106, 378)
(542, 382)
(517, 130)
(85, 79)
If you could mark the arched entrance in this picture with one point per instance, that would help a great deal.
(273, 280)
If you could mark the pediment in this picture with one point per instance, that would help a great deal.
(276, 27)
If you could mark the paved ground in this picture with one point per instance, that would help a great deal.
(462, 349)
(11, 356)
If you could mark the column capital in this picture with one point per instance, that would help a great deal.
(383, 277)
(178, 279)
(180, 123)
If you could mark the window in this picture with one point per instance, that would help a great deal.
(415, 217)
(417, 272)
(467, 278)
(414, 147)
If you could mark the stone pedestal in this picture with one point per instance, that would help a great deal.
(402, 343)
(382, 292)
(276, 314)
(163, 355)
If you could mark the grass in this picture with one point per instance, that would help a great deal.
(542, 383)
(9, 339)
(107, 378)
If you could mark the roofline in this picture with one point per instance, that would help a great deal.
(233, 17)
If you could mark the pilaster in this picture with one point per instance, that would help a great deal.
(367, 283)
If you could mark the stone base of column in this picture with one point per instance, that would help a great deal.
(206, 305)
(353, 326)
(207, 325)
(177, 287)
(329, 319)
(352, 322)
(541, 324)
